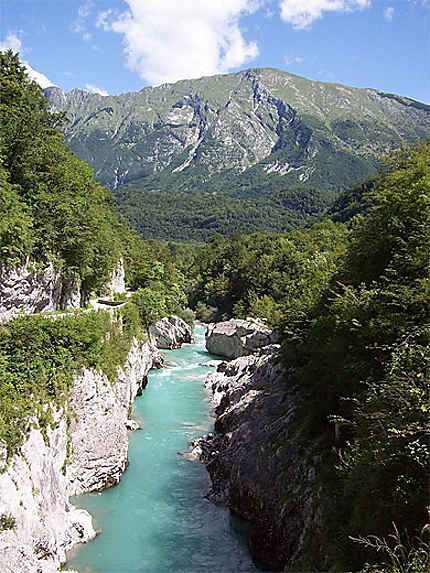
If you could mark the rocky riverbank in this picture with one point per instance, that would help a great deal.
(254, 456)
(84, 449)
(236, 337)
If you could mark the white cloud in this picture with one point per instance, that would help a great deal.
(96, 90)
(79, 26)
(169, 40)
(388, 13)
(37, 77)
(295, 60)
(85, 9)
(11, 42)
(302, 13)
(103, 19)
(14, 43)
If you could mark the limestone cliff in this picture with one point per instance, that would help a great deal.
(35, 287)
(83, 451)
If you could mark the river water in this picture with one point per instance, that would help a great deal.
(157, 519)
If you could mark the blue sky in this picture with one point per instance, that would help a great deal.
(115, 46)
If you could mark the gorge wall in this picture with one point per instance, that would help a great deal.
(84, 449)
(255, 457)
(33, 287)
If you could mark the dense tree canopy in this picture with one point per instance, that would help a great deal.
(50, 202)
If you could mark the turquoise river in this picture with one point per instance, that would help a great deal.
(157, 519)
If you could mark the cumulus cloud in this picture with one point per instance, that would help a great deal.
(169, 40)
(103, 19)
(85, 9)
(38, 77)
(388, 13)
(96, 90)
(11, 42)
(14, 43)
(302, 13)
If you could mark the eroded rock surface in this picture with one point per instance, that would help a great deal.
(34, 492)
(99, 440)
(237, 337)
(34, 288)
(116, 282)
(255, 460)
(170, 332)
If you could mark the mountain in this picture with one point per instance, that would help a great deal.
(263, 136)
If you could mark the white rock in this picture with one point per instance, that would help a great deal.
(170, 332)
(116, 282)
(98, 432)
(34, 491)
(132, 425)
(32, 288)
(237, 337)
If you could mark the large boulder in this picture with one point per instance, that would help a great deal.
(116, 281)
(237, 337)
(170, 332)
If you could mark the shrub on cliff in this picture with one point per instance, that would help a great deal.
(40, 355)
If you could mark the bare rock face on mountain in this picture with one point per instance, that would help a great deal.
(116, 282)
(237, 337)
(170, 332)
(262, 149)
(283, 124)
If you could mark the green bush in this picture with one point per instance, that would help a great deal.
(187, 315)
(206, 313)
(7, 521)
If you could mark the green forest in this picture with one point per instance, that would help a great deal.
(350, 300)
(348, 292)
(52, 210)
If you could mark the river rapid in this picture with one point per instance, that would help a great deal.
(157, 519)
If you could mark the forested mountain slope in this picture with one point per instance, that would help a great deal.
(265, 136)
